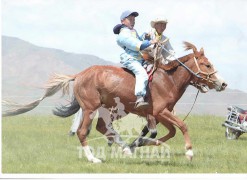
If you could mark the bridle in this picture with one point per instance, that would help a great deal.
(206, 76)
(199, 74)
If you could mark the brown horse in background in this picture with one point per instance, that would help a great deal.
(97, 86)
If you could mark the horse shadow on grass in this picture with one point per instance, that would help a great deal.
(242, 138)
(175, 160)
(154, 163)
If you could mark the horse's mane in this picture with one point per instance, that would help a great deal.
(174, 64)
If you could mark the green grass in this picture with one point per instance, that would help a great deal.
(40, 144)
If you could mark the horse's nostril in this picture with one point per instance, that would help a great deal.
(224, 85)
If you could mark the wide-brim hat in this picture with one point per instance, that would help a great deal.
(158, 20)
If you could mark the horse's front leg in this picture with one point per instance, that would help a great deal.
(165, 117)
(169, 121)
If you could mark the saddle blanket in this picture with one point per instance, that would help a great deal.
(149, 68)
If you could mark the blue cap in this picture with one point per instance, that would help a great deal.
(127, 13)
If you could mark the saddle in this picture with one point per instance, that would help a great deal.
(152, 57)
(150, 70)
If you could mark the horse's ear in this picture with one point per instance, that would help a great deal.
(202, 51)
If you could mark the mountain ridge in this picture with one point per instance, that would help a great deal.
(26, 66)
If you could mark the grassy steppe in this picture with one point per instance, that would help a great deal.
(40, 144)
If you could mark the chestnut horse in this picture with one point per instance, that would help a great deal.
(97, 86)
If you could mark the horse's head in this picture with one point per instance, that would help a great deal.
(207, 75)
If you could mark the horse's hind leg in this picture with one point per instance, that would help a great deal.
(82, 134)
(150, 127)
(109, 132)
(76, 123)
(101, 127)
(104, 126)
(143, 141)
(89, 100)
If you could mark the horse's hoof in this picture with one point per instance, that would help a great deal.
(71, 133)
(132, 149)
(189, 154)
(96, 160)
(110, 143)
(127, 151)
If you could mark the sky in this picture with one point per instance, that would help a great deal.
(85, 27)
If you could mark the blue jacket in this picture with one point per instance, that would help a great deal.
(131, 42)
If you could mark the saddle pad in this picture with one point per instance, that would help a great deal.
(149, 69)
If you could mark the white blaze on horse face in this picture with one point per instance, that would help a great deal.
(219, 78)
(220, 83)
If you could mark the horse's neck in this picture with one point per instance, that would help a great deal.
(180, 77)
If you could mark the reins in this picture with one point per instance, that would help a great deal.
(192, 105)
(197, 74)
(182, 64)
(192, 72)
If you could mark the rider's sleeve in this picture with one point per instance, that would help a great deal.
(145, 44)
(128, 40)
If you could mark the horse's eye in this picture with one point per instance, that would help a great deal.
(208, 66)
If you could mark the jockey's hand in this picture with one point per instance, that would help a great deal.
(147, 36)
(154, 41)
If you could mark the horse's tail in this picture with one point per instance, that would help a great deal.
(56, 83)
(66, 111)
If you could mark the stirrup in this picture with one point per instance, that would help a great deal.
(141, 105)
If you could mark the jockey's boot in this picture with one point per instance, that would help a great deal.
(140, 103)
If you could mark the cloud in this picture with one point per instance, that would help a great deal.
(86, 26)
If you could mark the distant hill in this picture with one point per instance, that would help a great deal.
(212, 102)
(26, 67)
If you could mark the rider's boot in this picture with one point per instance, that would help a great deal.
(141, 103)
